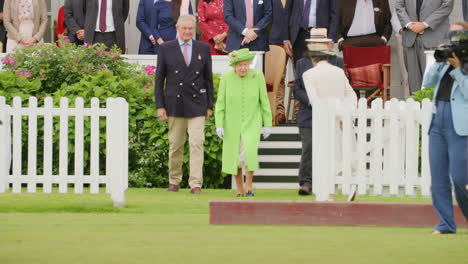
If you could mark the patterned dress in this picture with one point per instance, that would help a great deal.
(211, 21)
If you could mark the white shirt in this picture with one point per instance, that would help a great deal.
(363, 21)
(109, 17)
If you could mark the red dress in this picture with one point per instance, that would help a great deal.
(60, 22)
(211, 21)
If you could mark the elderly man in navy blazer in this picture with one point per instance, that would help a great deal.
(143, 23)
(184, 96)
(303, 15)
(248, 21)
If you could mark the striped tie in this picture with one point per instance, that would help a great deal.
(102, 16)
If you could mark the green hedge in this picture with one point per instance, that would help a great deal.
(71, 71)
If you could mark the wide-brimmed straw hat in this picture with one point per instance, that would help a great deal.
(240, 55)
(318, 43)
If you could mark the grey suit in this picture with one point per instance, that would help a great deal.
(74, 18)
(436, 14)
(120, 9)
(465, 9)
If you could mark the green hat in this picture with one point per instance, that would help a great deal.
(240, 55)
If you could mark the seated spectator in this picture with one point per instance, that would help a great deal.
(61, 28)
(165, 16)
(214, 29)
(25, 22)
(75, 20)
(247, 24)
(3, 35)
(364, 23)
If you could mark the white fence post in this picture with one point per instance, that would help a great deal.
(117, 149)
(5, 145)
(425, 170)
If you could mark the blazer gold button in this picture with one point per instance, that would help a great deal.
(197, 73)
(194, 95)
(178, 96)
(193, 84)
(176, 72)
(181, 84)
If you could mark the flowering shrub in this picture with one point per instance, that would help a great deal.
(72, 71)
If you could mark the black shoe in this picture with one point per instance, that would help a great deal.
(249, 194)
(239, 195)
(305, 190)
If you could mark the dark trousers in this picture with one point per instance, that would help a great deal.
(300, 45)
(3, 37)
(305, 169)
(107, 38)
(448, 161)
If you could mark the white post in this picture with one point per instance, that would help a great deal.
(63, 146)
(117, 149)
(32, 145)
(425, 169)
(323, 136)
(5, 145)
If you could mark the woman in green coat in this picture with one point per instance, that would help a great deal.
(242, 108)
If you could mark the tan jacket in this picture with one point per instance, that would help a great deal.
(11, 19)
(325, 81)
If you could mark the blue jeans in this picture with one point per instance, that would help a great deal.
(448, 160)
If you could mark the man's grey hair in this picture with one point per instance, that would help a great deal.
(187, 18)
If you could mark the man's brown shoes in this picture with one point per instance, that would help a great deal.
(173, 188)
(196, 190)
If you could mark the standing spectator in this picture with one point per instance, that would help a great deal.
(146, 10)
(248, 21)
(304, 115)
(165, 16)
(242, 108)
(424, 27)
(61, 28)
(302, 15)
(276, 38)
(104, 22)
(25, 22)
(75, 20)
(401, 58)
(448, 136)
(213, 28)
(465, 10)
(364, 23)
(184, 96)
(3, 33)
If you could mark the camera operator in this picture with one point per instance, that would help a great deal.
(448, 131)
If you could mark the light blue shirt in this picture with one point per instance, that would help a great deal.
(312, 13)
(189, 48)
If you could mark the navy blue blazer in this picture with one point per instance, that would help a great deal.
(184, 91)
(327, 17)
(235, 16)
(143, 22)
(304, 116)
(278, 22)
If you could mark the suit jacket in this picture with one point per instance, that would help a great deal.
(278, 22)
(327, 17)
(2, 28)
(304, 116)
(382, 18)
(11, 19)
(120, 9)
(184, 91)
(235, 17)
(143, 23)
(458, 97)
(74, 17)
(434, 12)
(465, 10)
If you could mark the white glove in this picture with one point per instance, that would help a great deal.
(220, 132)
(266, 131)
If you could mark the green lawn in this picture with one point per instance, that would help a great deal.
(161, 227)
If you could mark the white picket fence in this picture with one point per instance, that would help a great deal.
(116, 170)
(375, 149)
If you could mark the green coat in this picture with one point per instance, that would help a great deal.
(242, 107)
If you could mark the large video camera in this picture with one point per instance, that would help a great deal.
(458, 45)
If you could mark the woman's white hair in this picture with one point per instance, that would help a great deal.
(183, 18)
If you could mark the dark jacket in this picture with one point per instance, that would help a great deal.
(120, 9)
(74, 17)
(184, 91)
(278, 22)
(235, 16)
(143, 23)
(3, 33)
(327, 17)
(304, 116)
(382, 18)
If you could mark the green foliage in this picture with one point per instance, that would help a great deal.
(81, 74)
(420, 95)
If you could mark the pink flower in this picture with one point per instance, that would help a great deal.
(85, 45)
(27, 75)
(99, 52)
(103, 69)
(150, 70)
(8, 60)
(67, 40)
(106, 53)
